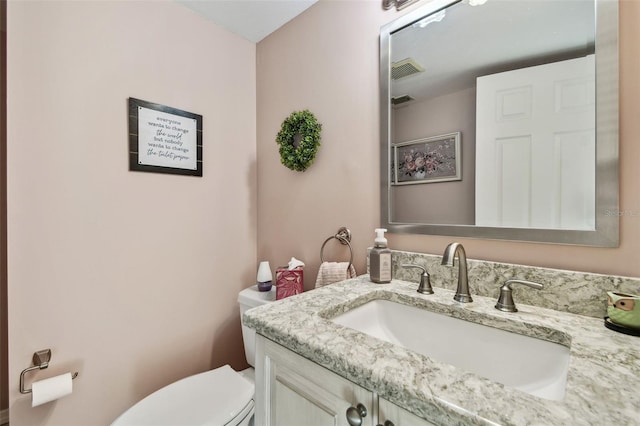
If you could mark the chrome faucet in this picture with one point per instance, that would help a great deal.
(462, 292)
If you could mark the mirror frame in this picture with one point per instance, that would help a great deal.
(606, 233)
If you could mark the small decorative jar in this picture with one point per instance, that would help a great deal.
(264, 276)
(624, 309)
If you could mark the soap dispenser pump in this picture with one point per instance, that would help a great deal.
(380, 259)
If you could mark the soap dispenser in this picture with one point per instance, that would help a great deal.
(380, 259)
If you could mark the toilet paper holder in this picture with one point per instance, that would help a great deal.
(40, 362)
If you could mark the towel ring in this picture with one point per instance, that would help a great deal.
(344, 237)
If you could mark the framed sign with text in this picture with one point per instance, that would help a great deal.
(164, 139)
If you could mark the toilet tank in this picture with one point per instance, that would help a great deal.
(250, 298)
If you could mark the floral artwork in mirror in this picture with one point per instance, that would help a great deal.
(429, 160)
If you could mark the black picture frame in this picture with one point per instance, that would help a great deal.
(163, 139)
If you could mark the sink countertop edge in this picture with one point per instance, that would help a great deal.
(601, 359)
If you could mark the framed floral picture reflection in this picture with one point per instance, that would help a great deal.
(428, 160)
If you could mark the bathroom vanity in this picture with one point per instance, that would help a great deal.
(312, 369)
(297, 391)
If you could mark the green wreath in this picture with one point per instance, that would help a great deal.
(299, 139)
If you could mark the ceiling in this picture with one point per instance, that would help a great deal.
(469, 41)
(251, 19)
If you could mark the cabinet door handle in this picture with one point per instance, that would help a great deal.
(355, 415)
(387, 423)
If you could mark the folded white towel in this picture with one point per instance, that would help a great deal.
(332, 272)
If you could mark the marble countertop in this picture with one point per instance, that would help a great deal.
(603, 368)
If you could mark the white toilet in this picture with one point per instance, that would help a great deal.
(217, 397)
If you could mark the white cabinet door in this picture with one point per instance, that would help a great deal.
(293, 391)
(535, 147)
(389, 412)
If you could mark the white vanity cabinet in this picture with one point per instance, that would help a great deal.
(293, 391)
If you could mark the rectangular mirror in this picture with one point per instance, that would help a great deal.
(499, 120)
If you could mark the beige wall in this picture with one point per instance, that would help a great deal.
(324, 60)
(130, 278)
(327, 60)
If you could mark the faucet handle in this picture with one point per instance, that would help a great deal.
(425, 279)
(505, 301)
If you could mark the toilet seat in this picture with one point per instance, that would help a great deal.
(217, 397)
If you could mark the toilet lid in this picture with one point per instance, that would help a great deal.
(211, 398)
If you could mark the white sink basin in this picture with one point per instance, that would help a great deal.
(531, 365)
